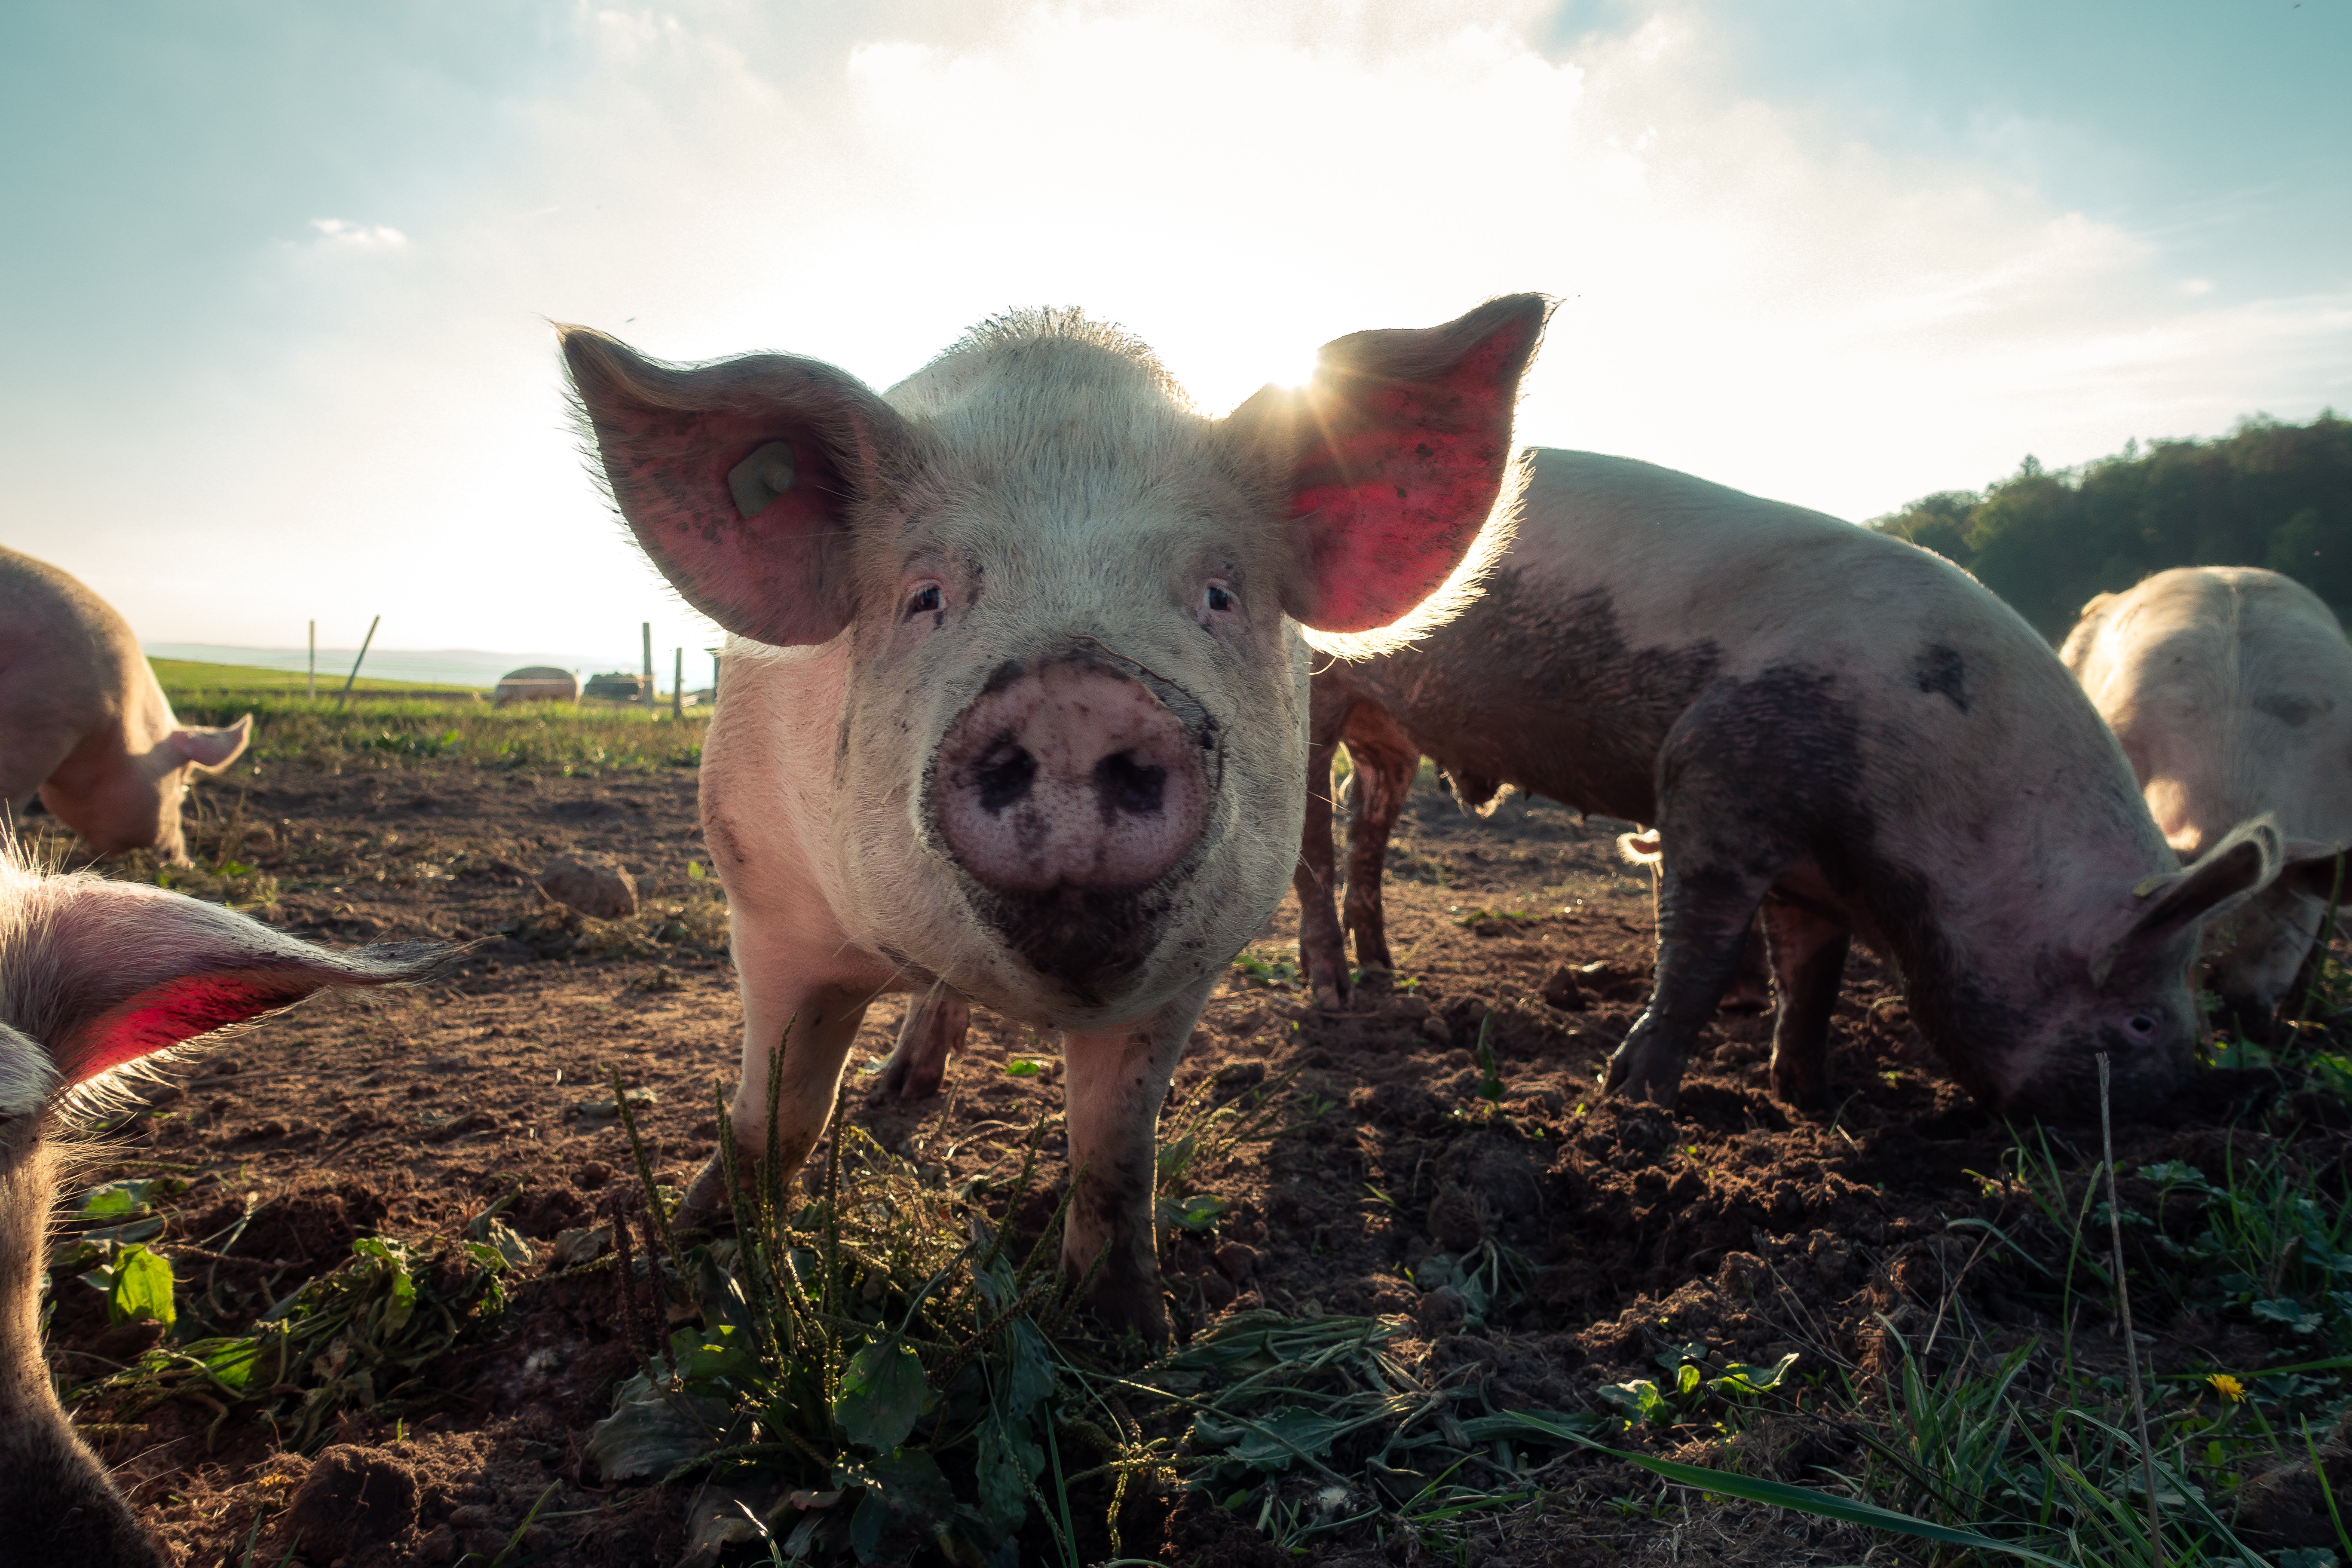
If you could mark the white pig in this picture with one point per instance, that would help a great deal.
(83, 723)
(2231, 688)
(96, 976)
(1835, 727)
(1017, 695)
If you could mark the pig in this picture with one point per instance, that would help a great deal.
(84, 724)
(1014, 700)
(2231, 688)
(95, 978)
(1834, 728)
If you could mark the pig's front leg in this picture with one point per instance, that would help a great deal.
(1322, 949)
(935, 1025)
(1702, 920)
(1115, 1082)
(823, 1020)
(1807, 950)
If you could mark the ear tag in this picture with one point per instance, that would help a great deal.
(2145, 889)
(761, 477)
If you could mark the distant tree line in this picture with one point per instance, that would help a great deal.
(2267, 494)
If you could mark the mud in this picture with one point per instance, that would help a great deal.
(1734, 1220)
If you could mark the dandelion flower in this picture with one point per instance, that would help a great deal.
(2228, 1387)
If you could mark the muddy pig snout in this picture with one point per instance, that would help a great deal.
(1070, 776)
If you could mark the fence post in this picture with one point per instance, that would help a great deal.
(648, 630)
(357, 662)
(678, 686)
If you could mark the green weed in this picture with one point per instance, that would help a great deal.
(1275, 969)
(1202, 1133)
(873, 1371)
(358, 1337)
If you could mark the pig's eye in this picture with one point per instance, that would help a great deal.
(2142, 1025)
(925, 598)
(1218, 598)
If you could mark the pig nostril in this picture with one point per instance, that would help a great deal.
(1004, 775)
(1122, 784)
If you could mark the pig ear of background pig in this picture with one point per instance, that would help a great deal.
(1398, 450)
(213, 748)
(738, 476)
(117, 971)
(2244, 862)
(2311, 869)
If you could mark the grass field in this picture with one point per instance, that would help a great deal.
(564, 738)
(191, 677)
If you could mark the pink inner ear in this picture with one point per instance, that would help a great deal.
(1387, 536)
(1393, 495)
(178, 1010)
(208, 748)
(761, 576)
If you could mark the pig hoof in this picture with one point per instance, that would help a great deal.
(707, 1197)
(1131, 1304)
(1628, 1080)
(908, 1082)
(1800, 1094)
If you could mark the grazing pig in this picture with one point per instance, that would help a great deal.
(97, 975)
(1017, 698)
(1835, 727)
(2231, 690)
(83, 722)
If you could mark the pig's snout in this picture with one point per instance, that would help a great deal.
(1071, 777)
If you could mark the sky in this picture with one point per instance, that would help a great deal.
(276, 280)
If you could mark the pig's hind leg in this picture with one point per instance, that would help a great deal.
(1808, 951)
(937, 1022)
(1322, 949)
(1385, 760)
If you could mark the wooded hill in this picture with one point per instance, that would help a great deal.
(2267, 494)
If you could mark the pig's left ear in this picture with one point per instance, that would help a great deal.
(104, 973)
(211, 750)
(2244, 862)
(1395, 455)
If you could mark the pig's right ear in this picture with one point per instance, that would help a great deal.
(103, 974)
(2243, 863)
(739, 477)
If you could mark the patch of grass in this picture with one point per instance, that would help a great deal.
(567, 739)
(194, 678)
(1307, 1428)
(1202, 1133)
(875, 1372)
(2037, 1446)
(360, 1336)
(1264, 964)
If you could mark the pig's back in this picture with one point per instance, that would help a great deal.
(63, 651)
(1631, 590)
(2231, 689)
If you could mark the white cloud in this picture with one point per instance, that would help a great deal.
(358, 236)
(1746, 294)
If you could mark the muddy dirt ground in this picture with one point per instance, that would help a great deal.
(1734, 1221)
